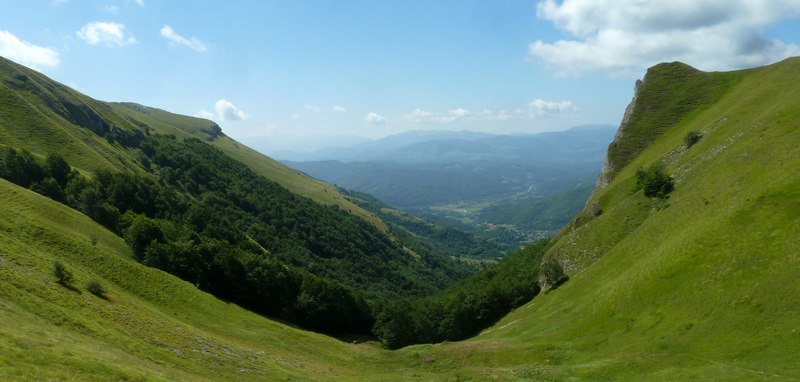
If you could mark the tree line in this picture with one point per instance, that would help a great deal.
(208, 219)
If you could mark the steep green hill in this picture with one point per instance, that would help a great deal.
(44, 116)
(703, 285)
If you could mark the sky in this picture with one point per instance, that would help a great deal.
(290, 75)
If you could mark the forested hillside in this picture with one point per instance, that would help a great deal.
(187, 206)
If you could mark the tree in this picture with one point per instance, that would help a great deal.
(62, 274)
(141, 233)
(94, 287)
(49, 187)
(394, 325)
(692, 137)
(553, 272)
(655, 181)
(58, 169)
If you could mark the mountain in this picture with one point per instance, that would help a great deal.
(702, 284)
(193, 202)
(467, 183)
(377, 149)
(697, 284)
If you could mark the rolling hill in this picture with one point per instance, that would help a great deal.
(701, 285)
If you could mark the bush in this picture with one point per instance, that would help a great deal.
(692, 137)
(655, 181)
(62, 274)
(94, 287)
(553, 272)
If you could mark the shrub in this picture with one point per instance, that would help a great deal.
(553, 272)
(62, 274)
(94, 287)
(655, 181)
(692, 137)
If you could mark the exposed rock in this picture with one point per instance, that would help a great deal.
(608, 167)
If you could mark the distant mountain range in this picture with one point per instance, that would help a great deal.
(451, 177)
(458, 146)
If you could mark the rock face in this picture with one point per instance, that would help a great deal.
(84, 116)
(214, 131)
(608, 166)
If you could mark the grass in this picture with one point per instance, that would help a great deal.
(701, 286)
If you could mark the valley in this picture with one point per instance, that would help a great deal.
(510, 190)
(219, 263)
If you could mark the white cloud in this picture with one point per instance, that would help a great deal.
(139, 2)
(621, 37)
(503, 116)
(108, 34)
(338, 109)
(113, 9)
(205, 114)
(455, 114)
(539, 107)
(312, 109)
(419, 115)
(226, 111)
(295, 116)
(375, 118)
(423, 116)
(175, 39)
(26, 53)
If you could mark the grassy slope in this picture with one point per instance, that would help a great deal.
(704, 286)
(168, 123)
(701, 287)
(32, 116)
(152, 326)
(29, 102)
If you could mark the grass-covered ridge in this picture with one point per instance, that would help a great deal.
(669, 93)
(44, 116)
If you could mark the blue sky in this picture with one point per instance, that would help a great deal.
(293, 71)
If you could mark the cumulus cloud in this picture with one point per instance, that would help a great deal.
(539, 107)
(338, 109)
(26, 53)
(108, 34)
(226, 111)
(175, 39)
(312, 108)
(621, 37)
(205, 114)
(375, 118)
